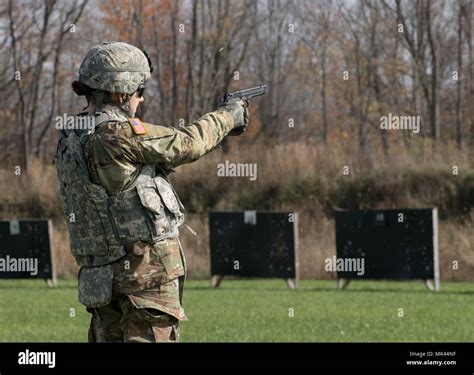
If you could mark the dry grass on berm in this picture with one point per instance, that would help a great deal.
(302, 177)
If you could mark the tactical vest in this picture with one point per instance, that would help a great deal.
(100, 225)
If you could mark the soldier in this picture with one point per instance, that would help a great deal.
(123, 214)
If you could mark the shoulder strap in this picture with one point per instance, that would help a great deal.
(101, 119)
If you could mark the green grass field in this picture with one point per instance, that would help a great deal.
(259, 311)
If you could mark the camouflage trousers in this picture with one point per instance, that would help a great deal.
(147, 295)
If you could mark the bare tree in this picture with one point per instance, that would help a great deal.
(316, 32)
(459, 137)
(421, 43)
(36, 37)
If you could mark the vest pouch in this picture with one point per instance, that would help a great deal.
(148, 212)
(152, 200)
(168, 196)
(95, 285)
(85, 218)
(87, 232)
(130, 219)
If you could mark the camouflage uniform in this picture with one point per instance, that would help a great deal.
(148, 283)
(114, 179)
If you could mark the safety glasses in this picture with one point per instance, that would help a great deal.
(140, 90)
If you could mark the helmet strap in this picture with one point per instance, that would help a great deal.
(99, 95)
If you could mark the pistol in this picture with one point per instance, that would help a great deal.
(245, 94)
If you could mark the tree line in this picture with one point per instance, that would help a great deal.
(333, 68)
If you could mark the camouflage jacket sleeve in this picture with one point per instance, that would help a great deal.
(175, 146)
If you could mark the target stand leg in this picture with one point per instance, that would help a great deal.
(432, 285)
(216, 280)
(342, 283)
(292, 283)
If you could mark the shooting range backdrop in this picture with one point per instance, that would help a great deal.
(254, 244)
(396, 244)
(27, 239)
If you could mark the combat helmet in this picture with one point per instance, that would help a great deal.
(114, 67)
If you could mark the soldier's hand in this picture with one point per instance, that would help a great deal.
(238, 109)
